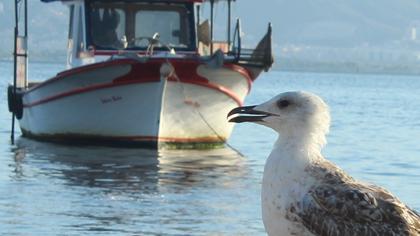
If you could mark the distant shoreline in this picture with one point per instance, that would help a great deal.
(37, 60)
(284, 65)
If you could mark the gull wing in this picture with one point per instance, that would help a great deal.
(340, 206)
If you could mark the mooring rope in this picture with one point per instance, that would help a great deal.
(196, 109)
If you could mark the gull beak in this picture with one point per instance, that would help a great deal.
(247, 114)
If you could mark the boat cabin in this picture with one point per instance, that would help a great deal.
(99, 29)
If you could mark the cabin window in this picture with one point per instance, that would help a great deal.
(107, 26)
(130, 25)
(166, 23)
(80, 43)
(70, 35)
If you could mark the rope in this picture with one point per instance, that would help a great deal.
(196, 109)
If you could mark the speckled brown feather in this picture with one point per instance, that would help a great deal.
(340, 206)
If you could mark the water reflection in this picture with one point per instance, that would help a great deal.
(129, 169)
(18, 157)
(133, 191)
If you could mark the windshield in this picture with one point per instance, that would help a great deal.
(123, 25)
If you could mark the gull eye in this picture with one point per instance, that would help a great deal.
(283, 104)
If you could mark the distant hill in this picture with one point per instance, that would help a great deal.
(47, 28)
(332, 22)
(319, 24)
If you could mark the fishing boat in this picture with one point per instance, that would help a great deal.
(147, 73)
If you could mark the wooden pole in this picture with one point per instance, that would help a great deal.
(198, 15)
(26, 43)
(16, 33)
(212, 25)
(229, 23)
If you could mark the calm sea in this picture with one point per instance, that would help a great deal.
(50, 189)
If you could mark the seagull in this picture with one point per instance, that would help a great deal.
(305, 194)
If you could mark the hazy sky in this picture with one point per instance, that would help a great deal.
(331, 23)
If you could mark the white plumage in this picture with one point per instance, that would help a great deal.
(305, 194)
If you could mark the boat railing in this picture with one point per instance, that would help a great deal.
(260, 56)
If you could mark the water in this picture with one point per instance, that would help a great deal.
(50, 189)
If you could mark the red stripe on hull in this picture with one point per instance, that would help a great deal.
(148, 72)
(99, 138)
(142, 53)
(140, 70)
(82, 69)
(185, 69)
(178, 140)
(217, 87)
(79, 91)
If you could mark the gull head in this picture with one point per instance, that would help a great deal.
(294, 115)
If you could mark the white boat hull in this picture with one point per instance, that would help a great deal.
(89, 106)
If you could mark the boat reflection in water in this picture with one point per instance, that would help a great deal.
(140, 170)
(90, 189)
